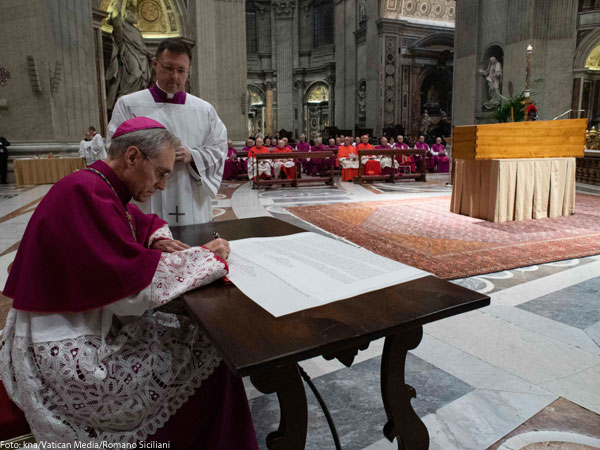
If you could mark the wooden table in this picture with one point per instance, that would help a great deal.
(253, 342)
(29, 171)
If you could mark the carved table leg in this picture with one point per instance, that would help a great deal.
(286, 382)
(403, 423)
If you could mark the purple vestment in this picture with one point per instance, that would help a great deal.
(78, 251)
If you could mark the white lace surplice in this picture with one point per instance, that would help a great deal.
(115, 373)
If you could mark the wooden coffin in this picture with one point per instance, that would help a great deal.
(537, 139)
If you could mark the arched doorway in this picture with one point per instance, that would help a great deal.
(256, 111)
(586, 80)
(316, 109)
(435, 94)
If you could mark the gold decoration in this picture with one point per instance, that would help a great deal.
(156, 18)
(318, 94)
(255, 98)
(150, 11)
(593, 60)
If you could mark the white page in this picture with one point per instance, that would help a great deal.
(290, 273)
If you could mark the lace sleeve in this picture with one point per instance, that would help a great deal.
(176, 274)
(162, 233)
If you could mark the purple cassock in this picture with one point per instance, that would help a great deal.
(232, 165)
(442, 162)
(405, 160)
(302, 147)
(315, 165)
(429, 160)
(81, 252)
(161, 96)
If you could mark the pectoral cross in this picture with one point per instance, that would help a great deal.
(177, 214)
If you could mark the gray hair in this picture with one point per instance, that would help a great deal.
(151, 142)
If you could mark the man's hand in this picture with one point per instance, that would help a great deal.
(169, 245)
(183, 154)
(219, 247)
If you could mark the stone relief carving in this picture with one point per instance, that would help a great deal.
(362, 11)
(493, 76)
(425, 123)
(284, 8)
(361, 101)
(129, 69)
(444, 10)
(390, 81)
(4, 76)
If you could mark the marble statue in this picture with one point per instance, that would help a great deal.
(362, 11)
(361, 95)
(130, 63)
(425, 123)
(493, 76)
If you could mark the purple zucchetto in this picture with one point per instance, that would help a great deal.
(137, 124)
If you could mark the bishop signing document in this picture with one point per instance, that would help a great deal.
(94, 349)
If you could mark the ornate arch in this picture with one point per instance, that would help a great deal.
(587, 45)
(256, 96)
(155, 18)
(318, 90)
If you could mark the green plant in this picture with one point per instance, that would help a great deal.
(503, 112)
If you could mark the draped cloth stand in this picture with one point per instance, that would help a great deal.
(500, 190)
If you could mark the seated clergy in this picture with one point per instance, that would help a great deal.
(259, 168)
(422, 145)
(232, 165)
(283, 164)
(315, 165)
(442, 162)
(348, 159)
(385, 160)
(371, 162)
(404, 160)
(85, 353)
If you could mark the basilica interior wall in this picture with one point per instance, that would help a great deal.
(47, 46)
(511, 25)
(218, 72)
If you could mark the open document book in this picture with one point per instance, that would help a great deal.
(290, 273)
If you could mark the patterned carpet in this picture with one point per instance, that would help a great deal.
(424, 233)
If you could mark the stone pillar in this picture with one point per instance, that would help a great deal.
(331, 82)
(269, 109)
(219, 60)
(98, 15)
(47, 47)
(284, 13)
(299, 85)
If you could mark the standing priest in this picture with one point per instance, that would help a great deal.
(85, 353)
(200, 160)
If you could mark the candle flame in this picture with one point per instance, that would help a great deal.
(529, 48)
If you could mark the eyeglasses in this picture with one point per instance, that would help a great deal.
(170, 69)
(161, 174)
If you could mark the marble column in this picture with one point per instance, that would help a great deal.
(299, 85)
(284, 14)
(219, 73)
(51, 95)
(98, 15)
(269, 109)
(331, 82)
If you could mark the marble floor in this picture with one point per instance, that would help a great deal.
(522, 373)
